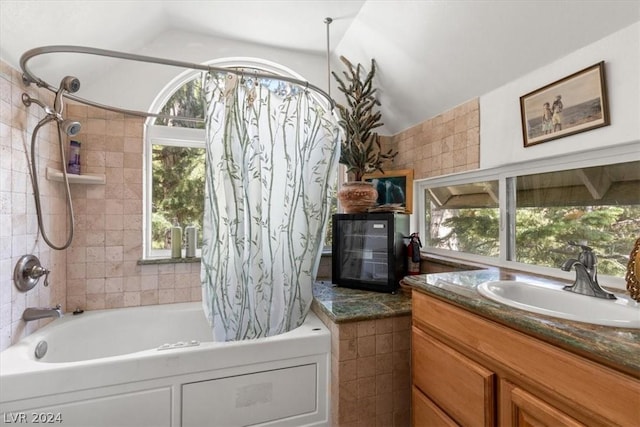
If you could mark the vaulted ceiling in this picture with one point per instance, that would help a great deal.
(432, 55)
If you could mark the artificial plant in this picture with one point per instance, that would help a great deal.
(360, 148)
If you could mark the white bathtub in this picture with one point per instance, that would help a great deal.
(157, 366)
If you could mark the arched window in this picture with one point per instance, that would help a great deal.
(174, 165)
(175, 156)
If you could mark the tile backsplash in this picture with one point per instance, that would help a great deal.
(444, 144)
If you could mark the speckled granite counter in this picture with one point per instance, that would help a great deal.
(618, 348)
(343, 305)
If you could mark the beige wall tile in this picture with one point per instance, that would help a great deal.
(384, 326)
(366, 346)
(366, 366)
(347, 349)
(384, 343)
(443, 144)
(384, 363)
(366, 328)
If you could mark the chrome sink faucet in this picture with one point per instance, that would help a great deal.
(34, 313)
(586, 267)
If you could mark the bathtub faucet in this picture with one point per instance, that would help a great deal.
(35, 313)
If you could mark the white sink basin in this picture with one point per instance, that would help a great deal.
(551, 300)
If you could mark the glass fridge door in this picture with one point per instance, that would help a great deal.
(365, 250)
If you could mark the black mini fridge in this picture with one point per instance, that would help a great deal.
(369, 250)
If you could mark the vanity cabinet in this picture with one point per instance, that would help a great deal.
(471, 371)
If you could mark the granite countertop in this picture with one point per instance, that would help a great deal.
(618, 348)
(343, 305)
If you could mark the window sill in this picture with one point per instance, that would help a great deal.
(156, 261)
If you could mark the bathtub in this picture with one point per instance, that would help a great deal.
(157, 366)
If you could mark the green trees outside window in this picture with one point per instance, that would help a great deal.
(596, 206)
(177, 190)
(177, 187)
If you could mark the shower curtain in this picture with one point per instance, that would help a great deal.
(272, 149)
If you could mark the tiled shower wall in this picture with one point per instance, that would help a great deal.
(18, 221)
(100, 269)
(102, 263)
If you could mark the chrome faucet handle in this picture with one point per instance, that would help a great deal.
(587, 257)
(27, 273)
(38, 271)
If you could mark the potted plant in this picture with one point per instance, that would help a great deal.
(360, 152)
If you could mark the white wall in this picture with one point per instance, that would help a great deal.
(134, 85)
(500, 126)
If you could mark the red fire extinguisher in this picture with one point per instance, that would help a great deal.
(413, 252)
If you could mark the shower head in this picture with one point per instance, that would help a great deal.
(67, 84)
(70, 84)
(70, 127)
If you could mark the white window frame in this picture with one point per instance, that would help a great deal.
(609, 155)
(168, 136)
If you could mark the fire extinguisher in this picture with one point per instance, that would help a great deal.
(413, 252)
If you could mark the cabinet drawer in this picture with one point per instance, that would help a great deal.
(426, 413)
(467, 396)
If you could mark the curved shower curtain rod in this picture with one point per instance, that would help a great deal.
(28, 77)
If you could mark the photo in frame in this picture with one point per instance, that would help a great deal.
(574, 104)
(395, 189)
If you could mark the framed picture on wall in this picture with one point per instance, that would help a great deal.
(395, 190)
(574, 104)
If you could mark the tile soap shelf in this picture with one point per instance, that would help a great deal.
(56, 175)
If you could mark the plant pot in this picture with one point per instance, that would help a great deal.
(357, 196)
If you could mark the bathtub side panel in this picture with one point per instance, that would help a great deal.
(252, 398)
(141, 408)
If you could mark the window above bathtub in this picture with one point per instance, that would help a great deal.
(522, 216)
(174, 168)
(175, 159)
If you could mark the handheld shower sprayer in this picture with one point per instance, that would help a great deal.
(68, 84)
(70, 127)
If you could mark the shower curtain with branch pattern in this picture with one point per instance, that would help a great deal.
(272, 149)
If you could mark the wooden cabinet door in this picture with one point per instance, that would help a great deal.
(457, 384)
(519, 408)
(593, 393)
(425, 413)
